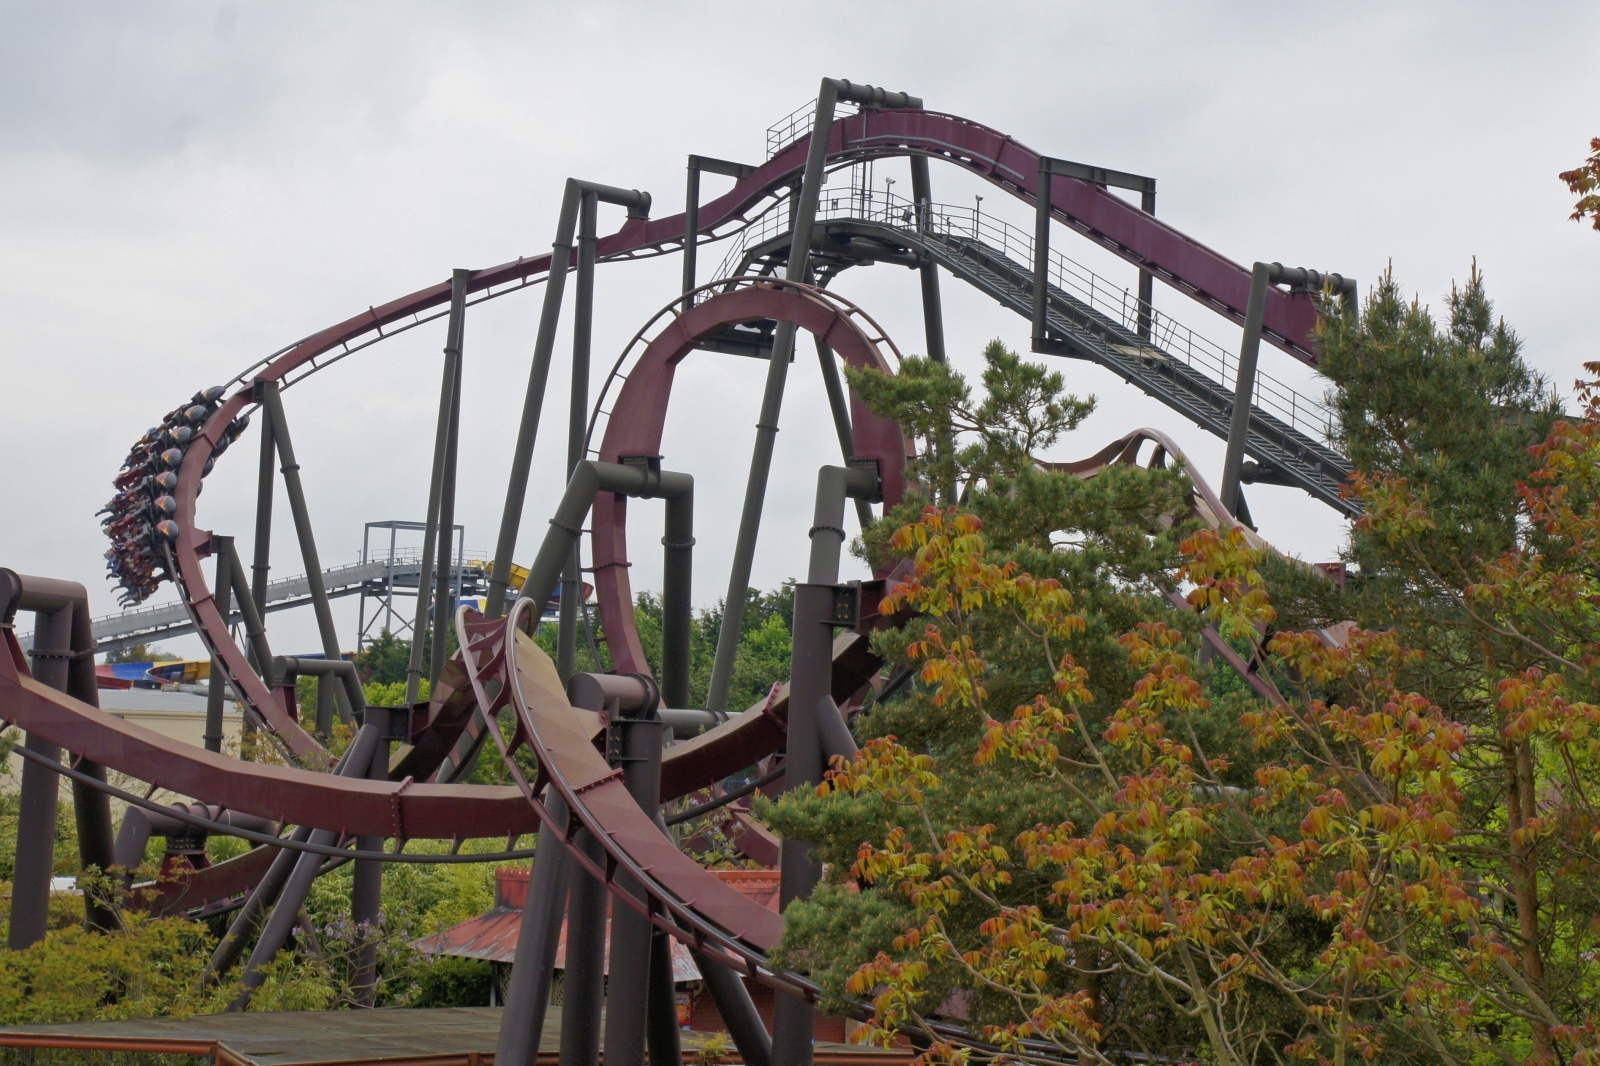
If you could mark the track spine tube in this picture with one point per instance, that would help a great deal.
(796, 269)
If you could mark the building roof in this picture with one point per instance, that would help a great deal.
(152, 699)
(492, 936)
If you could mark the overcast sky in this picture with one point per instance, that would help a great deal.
(185, 187)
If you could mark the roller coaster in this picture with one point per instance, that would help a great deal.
(600, 742)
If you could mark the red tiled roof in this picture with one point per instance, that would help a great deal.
(493, 935)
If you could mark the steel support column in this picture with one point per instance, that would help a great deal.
(810, 683)
(231, 946)
(771, 403)
(357, 760)
(629, 988)
(677, 622)
(638, 204)
(1147, 280)
(577, 424)
(661, 1024)
(216, 688)
(932, 308)
(522, 1024)
(446, 525)
(839, 404)
(40, 792)
(261, 565)
(366, 894)
(1041, 257)
(1261, 277)
(738, 1011)
(430, 525)
(1050, 169)
(255, 630)
(691, 210)
(583, 980)
(290, 467)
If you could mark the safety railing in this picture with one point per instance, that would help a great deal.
(797, 124)
(1168, 338)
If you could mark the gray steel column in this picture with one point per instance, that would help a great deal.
(261, 565)
(302, 525)
(430, 525)
(1041, 254)
(366, 894)
(691, 230)
(583, 983)
(628, 990)
(577, 423)
(533, 403)
(638, 205)
(231, 946)
(216, 689)
(771, 405)
(738, 1011)
(932, 309)
(442, 599)
(1147, 204)
(661, 1025)
(810, 683)
(1244, 386)
(254, 628)
(40, 791)
(522, 1024)
(839, 404)
(358, 757)
(677, 623)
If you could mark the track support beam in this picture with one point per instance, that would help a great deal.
(638, 205)
(216, 687)
(267, 392)
(797, 269)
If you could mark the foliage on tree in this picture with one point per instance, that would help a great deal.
(1104, 846)
(139, 653)
(1584, 183)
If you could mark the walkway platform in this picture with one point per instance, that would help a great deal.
(452, 1036)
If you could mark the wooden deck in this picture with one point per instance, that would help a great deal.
(455, 1036)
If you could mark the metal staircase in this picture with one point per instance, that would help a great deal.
(1089, 317)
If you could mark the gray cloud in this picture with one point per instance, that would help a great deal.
(186, 186)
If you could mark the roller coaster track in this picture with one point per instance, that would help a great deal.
(499, 672)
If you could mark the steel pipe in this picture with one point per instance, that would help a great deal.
(522, 1024)
(290, 468)
(443, 424)
(638, 205)
(796, 269)
(216, 689)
